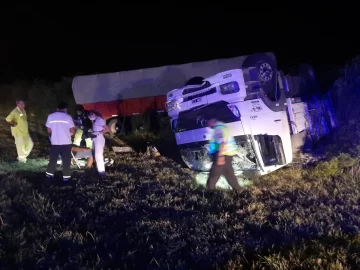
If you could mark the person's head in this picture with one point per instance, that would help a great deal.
(62, 106)
(212, 122)
(92, 115)
(20, 103)
(79, 109)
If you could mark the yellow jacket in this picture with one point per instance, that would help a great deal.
(20, 118)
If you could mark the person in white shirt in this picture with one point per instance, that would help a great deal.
(61, 127)
(99, 128)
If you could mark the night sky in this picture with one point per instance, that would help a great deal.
(64, 41)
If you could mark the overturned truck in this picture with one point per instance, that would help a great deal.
(272, 116)
(269, 113)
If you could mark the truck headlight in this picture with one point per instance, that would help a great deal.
(171, 105)
(174, 124)
(229, 88)
(234, 110)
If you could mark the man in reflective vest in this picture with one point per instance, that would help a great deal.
(20, 131)
(82, 125)
(222, 149)
(61, 127)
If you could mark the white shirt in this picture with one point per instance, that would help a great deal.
(60, 124)
(98, 124)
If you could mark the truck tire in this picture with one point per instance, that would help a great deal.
(114, 127)
(267, 72)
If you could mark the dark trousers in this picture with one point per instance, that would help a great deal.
(227, 170)
(65, 152)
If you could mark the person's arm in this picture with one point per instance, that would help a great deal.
(10, 119)
(221, 150)
(220, 156)
(71, 126)
(105, 127)
(77, 121)
(105, 130)
(48, 126)
(87, 125)
(72, 131)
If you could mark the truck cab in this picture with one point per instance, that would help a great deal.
(257, 104)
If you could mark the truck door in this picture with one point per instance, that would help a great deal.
(271, 137)
(271, 149)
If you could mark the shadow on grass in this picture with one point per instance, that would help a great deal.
(168, 148)
(113, 223)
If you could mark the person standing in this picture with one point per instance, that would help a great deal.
(99, 128)
(61, 127)
(82, 126)
(222, 149)
(20, 131)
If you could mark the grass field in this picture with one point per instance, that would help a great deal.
(149, 214)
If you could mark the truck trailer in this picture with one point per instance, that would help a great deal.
(272, 116)
(143, 91)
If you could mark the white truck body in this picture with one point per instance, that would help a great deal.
(267, 131)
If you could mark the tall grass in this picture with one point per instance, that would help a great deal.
(345, 93)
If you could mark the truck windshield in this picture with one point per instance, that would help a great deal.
(197, 158)
(197, 118)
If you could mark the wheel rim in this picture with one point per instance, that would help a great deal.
(265, 71)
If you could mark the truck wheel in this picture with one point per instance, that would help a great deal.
(114, 127)
(267, 72)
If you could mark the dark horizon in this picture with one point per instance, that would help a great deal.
(98, 58)
(49, 60)
(327, 40)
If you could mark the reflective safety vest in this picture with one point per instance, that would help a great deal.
(221, 133)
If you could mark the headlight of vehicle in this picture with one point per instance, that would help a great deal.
(174, 124)
(234, 110)
(171, 105)
(229, 88)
